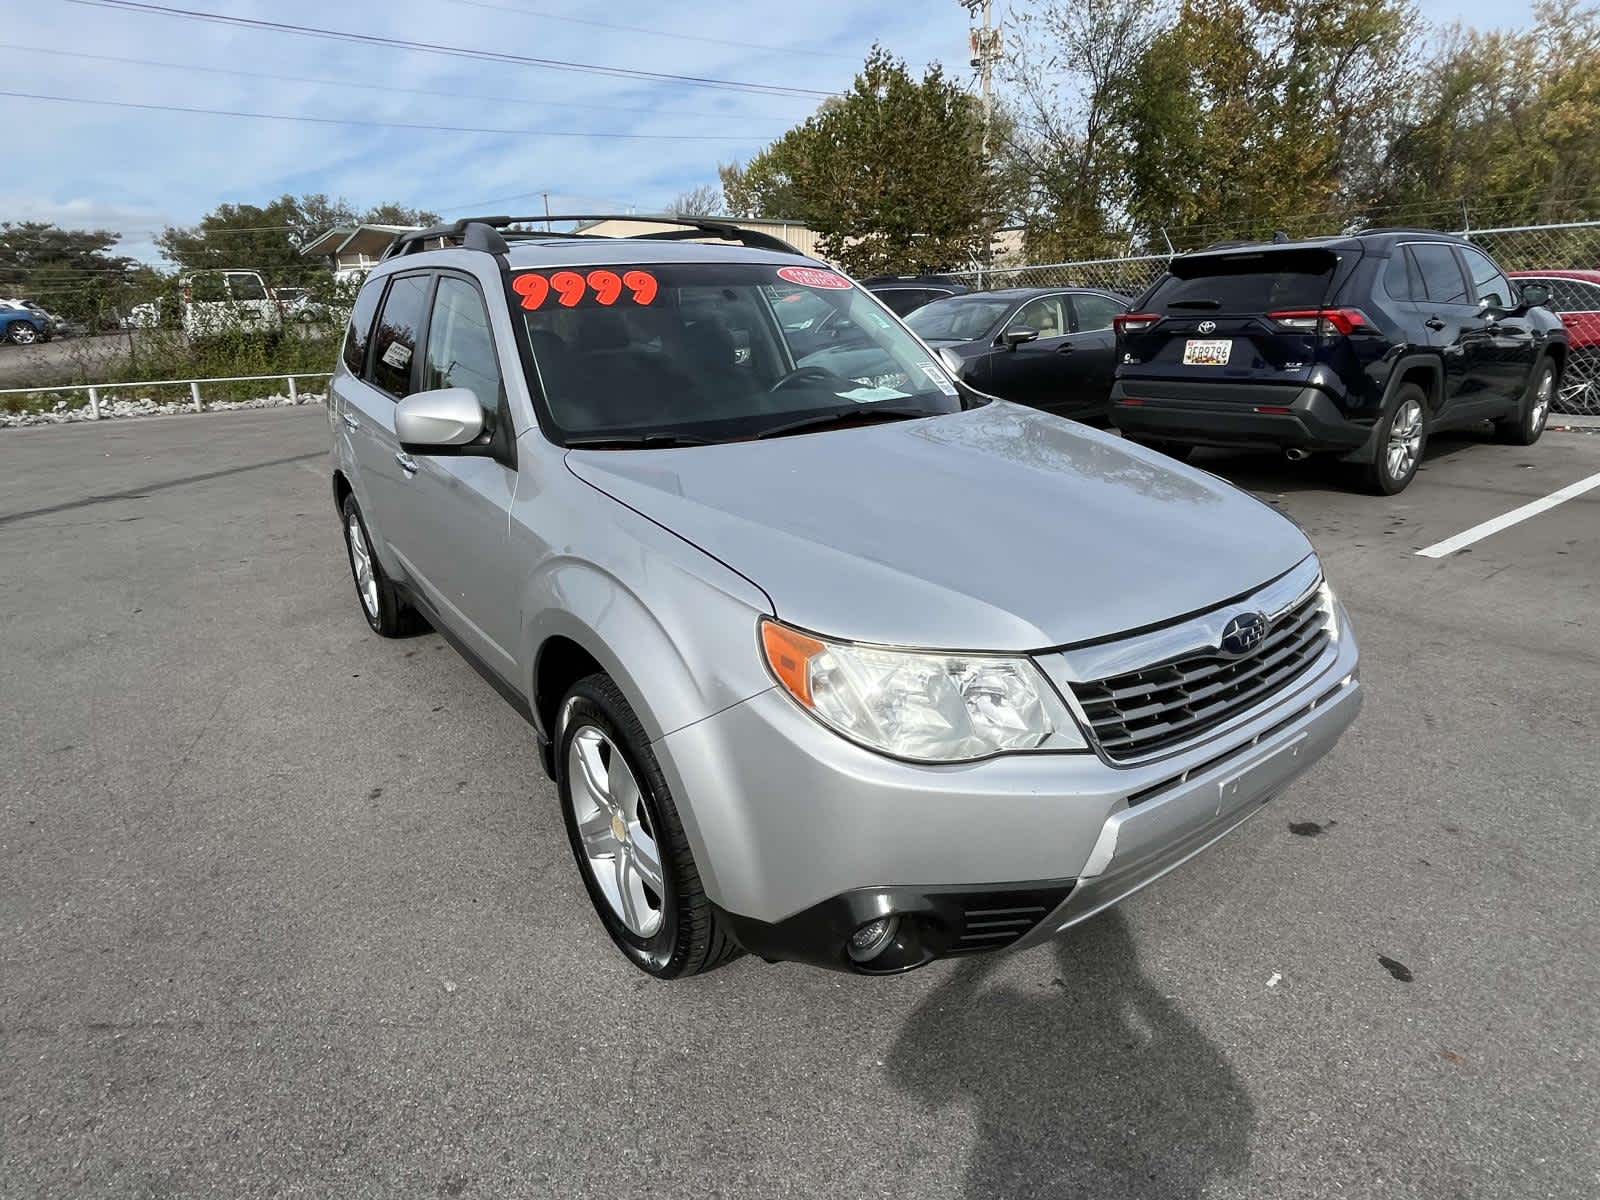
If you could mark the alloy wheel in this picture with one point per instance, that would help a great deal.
(24, 334)
(616, 831)
(1405, 440)
(1541, 402)
(361, 564)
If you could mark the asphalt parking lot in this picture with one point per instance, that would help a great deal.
(288, 910)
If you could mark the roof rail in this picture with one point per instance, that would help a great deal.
(490, 233)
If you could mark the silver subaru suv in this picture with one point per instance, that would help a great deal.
(832, 658)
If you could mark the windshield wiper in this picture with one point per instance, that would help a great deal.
(842, 417)
(635, 441)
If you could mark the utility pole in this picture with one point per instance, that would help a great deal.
(986, 42)
(547, 212)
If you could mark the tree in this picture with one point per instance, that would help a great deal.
(702, 201)
(268, 238)
(1058, 139)
(890, 175)
(1245, 114)
(69, 271)
(1510, 121)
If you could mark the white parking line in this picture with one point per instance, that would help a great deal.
(1495, 524)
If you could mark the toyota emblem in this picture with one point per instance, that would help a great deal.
(1242, 634)
(1207, 327)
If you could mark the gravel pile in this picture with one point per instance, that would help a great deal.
(117, 406)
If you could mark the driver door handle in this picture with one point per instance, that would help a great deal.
(349, 421)
(1065, 348)
(1434, 324)
(407, 463)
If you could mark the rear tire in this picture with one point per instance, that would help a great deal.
(1524, 425)
(628, 840)
(1398, 443)
(386, 611)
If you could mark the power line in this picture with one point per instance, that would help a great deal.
(372, 39)
(377, 87)
(226, 112)
(662, 33)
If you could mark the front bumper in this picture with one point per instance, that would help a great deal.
(1227, 414)
(801, 836)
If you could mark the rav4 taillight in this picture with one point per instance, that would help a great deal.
(1325, 321)
(1135, 322)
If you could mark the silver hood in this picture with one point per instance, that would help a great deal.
(1000, 528)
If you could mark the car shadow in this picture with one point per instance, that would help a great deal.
(1268, 471)
(1082, 1078)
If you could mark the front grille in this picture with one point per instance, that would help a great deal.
(1156, 708)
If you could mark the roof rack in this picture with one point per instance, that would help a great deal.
(490, 234)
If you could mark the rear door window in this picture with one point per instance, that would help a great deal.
(1441, 273)
(1245, 283)
(1093, 312)
(395, 341)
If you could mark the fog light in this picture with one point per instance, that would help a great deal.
(871, 939)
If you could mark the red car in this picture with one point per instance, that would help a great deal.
(1575, 297)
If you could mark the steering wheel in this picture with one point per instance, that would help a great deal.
(807, 375)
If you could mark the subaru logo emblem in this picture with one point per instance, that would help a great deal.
(1243, 634)
(1207, 327)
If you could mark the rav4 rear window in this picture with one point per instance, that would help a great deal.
(715, 351)
(1245, 283)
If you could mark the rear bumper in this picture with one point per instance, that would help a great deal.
(1224, 414)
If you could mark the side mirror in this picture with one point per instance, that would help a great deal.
(1016, 335)
(953, 362)
(442, 417)
(1535, 294)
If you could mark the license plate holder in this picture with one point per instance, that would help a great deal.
(1263, 778)
(1207, 352)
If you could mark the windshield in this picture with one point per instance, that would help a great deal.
(958, 319)
(717, 352)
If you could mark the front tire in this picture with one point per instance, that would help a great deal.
(1398, 443)
(628, 840)
(1523, 426)
(22, 334)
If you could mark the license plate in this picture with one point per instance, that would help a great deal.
(1202, 352)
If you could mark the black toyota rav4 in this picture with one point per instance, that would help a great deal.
(1358, 346)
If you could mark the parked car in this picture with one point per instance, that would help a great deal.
(1575, 298)
(831, 669)
(21, 325)
(297, 305)
(218, 301)
(1359, 346)
(907, 293)
(1049, 348)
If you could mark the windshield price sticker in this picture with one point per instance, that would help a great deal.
(812, 277)
(572, 288)
(938, 377)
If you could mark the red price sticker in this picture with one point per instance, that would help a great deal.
(572, 288)
(813, 277)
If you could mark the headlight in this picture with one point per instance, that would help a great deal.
(920, 705)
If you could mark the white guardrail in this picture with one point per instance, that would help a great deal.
(94, 389)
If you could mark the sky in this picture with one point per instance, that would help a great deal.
(136, 171)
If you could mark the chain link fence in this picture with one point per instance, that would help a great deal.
(1572, 246)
